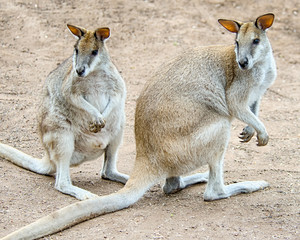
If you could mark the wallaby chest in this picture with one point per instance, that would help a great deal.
(99, 88)
(262, 76)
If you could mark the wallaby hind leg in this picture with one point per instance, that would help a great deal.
(216, 189)
(109, 169)
(175, 184)
(61, 155)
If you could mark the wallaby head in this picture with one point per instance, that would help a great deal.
(87, 50)
(252, 44)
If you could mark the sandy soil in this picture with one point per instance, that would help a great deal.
(145, 34)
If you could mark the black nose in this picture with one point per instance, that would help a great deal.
(80, 71)
(243, 63)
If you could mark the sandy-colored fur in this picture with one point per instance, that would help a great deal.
(81, 115)
(182, 121)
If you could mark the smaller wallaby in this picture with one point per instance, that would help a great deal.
(81, 115)
(182, 121)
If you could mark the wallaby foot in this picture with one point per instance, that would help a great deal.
(64, 184)
(115, 176)
(175, 184)
(76, 192)
(247, 133)
(234, 189)
(216, 188)
(109, 169)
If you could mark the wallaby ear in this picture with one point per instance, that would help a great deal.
(102, 33)
(265, 21)
(231, 26)
(77, 32)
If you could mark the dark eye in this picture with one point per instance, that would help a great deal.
(76, 51)
(256, 41)
(95, 52)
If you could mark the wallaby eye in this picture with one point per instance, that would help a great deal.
(95, 52)
(256, 41)
(76, 51)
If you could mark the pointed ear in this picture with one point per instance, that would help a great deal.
(77, 32)
(102, 33)
(265, 21)
(231, 26)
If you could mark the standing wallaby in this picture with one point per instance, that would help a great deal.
(182, 121)
(81, 115)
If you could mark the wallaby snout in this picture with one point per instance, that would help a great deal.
(243, 63)
(84, 61)
(80, 71)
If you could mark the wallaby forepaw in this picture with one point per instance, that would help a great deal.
(97, 125)
(247, 134)
(262, 140)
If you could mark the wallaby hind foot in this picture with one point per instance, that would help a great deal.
(234, 189)
(175, 184)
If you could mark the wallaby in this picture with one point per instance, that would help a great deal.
(81, 115)
(182, 121)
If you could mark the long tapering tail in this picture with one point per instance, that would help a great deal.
(84, 210)
(21, 159)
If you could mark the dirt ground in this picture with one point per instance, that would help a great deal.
(145, 34)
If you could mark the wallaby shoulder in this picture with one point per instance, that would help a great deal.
(60, 72)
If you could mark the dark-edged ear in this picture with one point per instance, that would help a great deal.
(230, 25)
(77, 32)
(265, 21)
(102, 33)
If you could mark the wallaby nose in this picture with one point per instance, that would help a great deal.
(80, 71)
(244, 63)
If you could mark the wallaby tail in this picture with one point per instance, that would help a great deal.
(84, 210)
(41, 166)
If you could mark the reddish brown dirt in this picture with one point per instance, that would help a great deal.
(145, 34)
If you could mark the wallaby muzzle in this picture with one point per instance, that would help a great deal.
(243, 63)
(80, 71)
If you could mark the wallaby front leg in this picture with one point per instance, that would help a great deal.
(77, 99)
(109, 107)
(97, 121)
(248, 131)
(248, 117)
(109, 169)
(175, 184)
